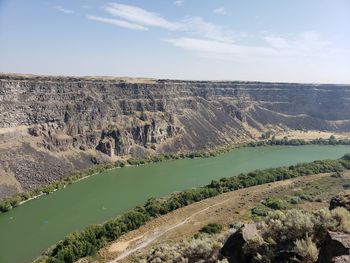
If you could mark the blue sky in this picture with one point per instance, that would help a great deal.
(267, 40)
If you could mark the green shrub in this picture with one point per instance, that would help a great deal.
(5, 206)
(295, 200)
(90, 240)
(346, 157)
(276, 203)
(14, 201)
(307, 249)
(296, 230)
(307, 197)
(201, 248)
(211, 228)
(134, 161)
(260, 210)
(119, 163)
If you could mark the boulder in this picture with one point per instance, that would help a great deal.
(233, 247)
(335, 245)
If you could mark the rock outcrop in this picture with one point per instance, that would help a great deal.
(233, 248)
(72, 118)
(341, 200)
(335, 248)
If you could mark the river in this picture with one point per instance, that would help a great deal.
(28, 230)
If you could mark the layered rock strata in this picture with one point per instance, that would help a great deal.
(50, 126)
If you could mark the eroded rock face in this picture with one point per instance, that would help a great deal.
(136, 117)
(82, 112)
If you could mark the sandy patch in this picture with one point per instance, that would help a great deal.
(21, 128)
(310, 135)
(122, 245)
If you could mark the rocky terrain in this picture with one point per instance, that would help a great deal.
(50, 126)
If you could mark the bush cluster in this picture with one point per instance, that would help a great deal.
(298, 142)
(94, 237)
(203, 248)
(276, 203)
(298, 232)
(211, 228)
(87, 242)
(271, 203)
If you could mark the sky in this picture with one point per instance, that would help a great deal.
(257, 40)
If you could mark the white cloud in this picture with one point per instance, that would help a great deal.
(220, 11)
(220, 49)
(61, 9)
(117, 22)
(198, 27)
(302, 47)
(277, 42)
(179, 2)
(212, 40)
(140, 16)
(306, 44)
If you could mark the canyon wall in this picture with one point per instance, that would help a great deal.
(50, 126)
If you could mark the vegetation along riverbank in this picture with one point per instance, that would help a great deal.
(90, 240)
(21, 198)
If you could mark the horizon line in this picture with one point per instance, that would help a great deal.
(125, 78)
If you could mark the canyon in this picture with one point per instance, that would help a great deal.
(53, 125)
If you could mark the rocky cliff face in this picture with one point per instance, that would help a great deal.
(76, 120)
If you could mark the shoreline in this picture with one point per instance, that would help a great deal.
(76, 176)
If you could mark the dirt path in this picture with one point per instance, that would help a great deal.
(184, 222)
(145, 242)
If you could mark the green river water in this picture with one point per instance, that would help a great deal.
(28, 230)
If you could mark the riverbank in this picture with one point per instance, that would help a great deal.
(97, 199)
(21, 198)
(90, 240)
(167, 239)
(224, 209)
